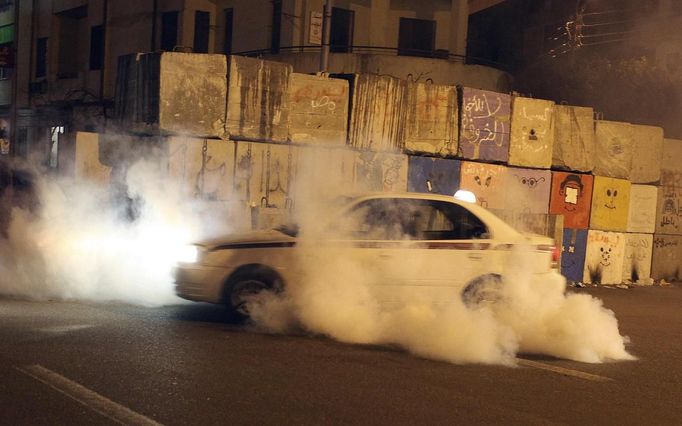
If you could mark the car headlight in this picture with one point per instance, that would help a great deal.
(188, 254)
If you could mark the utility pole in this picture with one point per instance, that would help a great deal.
(326, 35)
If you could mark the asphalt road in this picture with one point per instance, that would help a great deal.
(81, 363)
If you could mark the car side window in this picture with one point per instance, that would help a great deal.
(448, 221)
(411, 219)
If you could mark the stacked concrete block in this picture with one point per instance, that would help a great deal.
(666, 263)
(431, 121)
(571, 196)
(485, 125)
(637, 259)
(647, 150)
(532, 133)
(434, 175)
(614, 149)
(87, 165)
(642, 210)
(610, 204)
(318, 109)
(204, 167)
(377, 171)
(258, 99)
(377, 117)
(604, 258)
(527, 190)
(179, 93)
(574, 140)
(487, 181)
(264, 174)
(573, 250)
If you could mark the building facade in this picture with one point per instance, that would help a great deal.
(68, 50)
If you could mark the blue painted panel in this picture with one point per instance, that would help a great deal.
(436, 175)
(573, 253)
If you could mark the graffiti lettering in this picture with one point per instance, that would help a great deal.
(324, 101)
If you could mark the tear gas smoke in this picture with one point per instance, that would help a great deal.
(83, 246)
(337, 297)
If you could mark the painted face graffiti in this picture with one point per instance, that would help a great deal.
(571, 189)
(611, 203)
(605, 256)
(530, 182)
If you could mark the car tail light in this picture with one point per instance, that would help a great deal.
(556, 254)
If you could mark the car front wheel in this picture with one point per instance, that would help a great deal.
(243, 292)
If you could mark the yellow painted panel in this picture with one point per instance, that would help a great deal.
(87, 165)
(610, 204)
(532, 133)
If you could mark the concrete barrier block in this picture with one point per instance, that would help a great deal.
(610, 204)
(647, 153)
(319, 109)
(614, 149)
(574, 140)
(573, 250)
(666, 260)
(264, 174)
(571, 196)
(258, 99)
(642, 210)
(527, 190)
(638, 252)
(431, 121)
(485, 125)
(604, 257)
(87, 164)
(532, 133)
(377, 117)
(435, 175)
(669, 210)
(487, 181)
(204, 167)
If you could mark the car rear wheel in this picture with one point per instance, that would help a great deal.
(482, 291)
(243, 292)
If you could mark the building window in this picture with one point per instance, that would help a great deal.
(72, 33)
(96, 47)
(169, 30)
(341, 36)
(276, 26)
(202, 21)
(41, 57)
(416, 37)
(227, 42)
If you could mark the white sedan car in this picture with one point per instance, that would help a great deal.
(436, 245)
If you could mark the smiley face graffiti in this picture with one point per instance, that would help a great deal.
(605, 256)
(611, 195)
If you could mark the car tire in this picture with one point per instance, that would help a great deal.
(242, 288)
(482, 291)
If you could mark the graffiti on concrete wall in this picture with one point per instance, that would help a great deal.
(204, 166)
(638, 250)
(527, 190)
(610, 204)
(486, 181)
(435, 175)
(604, 257)
(573, 253)
(642, 211)
(572, 197)
(485, 125)
(373, 171)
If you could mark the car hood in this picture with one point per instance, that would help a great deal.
(247, 238)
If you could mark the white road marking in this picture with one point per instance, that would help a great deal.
(564, 371)
(91, 399)
(58, 329)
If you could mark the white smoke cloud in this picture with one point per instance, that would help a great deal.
(82, 246)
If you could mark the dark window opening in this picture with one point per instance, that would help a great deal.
(96, 47)
(169, 30)
(41, 57)
(72, 33)
(276, 26)
(416, 37)
(227, 42)
(202, 21)
(341, 37)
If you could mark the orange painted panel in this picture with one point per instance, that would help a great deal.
(571, 196)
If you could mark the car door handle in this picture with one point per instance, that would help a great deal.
(475, 256)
